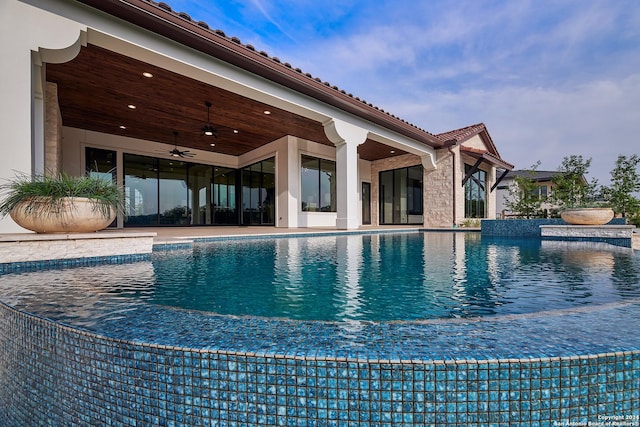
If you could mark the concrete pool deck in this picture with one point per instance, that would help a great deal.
(25, 249)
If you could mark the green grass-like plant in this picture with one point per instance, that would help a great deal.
(45, 194)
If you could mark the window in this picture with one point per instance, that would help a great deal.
(401, 196)
(475, 194)
(544, 192)
(141, 190)
(366, 203)
(259, 193)
(172, 192)
(318, 179)
(224, 196)
(101, 163)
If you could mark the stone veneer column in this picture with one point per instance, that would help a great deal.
(438, 191)
(346, 137)
(53, 131)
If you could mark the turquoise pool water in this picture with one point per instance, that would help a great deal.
(387, 277)
(359, 277)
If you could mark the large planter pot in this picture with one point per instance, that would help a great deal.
(587, 216)
(71, 215)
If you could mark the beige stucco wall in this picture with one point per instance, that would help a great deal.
(475, 142)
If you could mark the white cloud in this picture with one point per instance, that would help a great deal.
(548, 78)
(598, 120)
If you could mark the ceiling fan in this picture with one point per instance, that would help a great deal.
(179, 153)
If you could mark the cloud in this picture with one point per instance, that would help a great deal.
(597, 119)
(548, 78)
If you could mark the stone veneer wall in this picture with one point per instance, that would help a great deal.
(438, 192)
(53, 130)
(31, 248)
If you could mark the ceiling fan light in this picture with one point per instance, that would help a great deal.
(209, 130)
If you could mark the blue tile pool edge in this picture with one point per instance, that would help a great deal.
(46, 366)
(55, 264)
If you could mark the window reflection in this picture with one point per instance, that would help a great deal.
(141, 190)
(318, 180)
(475, 194)
(401, 199)
(258, 193)
(173, 206)
(224, 196)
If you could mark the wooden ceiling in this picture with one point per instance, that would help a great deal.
(96, 88)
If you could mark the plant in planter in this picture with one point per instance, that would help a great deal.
(578, 198)
(61, 203)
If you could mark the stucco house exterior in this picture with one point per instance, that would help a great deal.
(201, 129)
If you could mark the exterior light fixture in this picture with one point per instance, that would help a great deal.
(209, 130)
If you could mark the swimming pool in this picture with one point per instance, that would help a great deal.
(133, 360)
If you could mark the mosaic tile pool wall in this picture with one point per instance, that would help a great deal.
(51, 374)
(525, 227)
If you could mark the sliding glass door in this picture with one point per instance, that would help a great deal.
(168, 192)
(258, 193)
(401, 200)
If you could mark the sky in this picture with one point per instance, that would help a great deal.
(549, 78)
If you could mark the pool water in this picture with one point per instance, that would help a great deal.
(385, 277)
(359, 277)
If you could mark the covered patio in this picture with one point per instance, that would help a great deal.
(202, 129)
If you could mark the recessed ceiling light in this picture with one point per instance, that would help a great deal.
(392, 151)
(235, 131)
(147, 74)
(123, 127)
(267, 112)
(133, 107)
(212, 144)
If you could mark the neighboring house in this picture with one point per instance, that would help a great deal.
(545, 185)
(202, 129)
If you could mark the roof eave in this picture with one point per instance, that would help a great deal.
(152, 17)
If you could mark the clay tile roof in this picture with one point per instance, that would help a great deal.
(462, 134)
(122, 9)
(465, 133)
